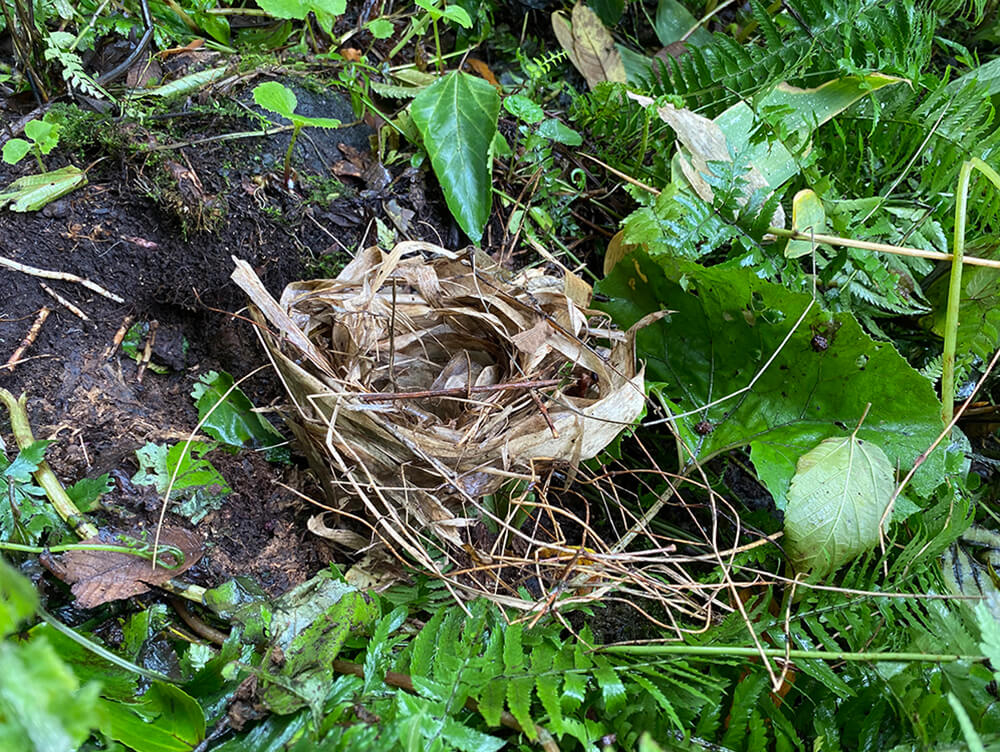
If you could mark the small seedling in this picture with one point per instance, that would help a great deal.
(43, 135)
(281, 100)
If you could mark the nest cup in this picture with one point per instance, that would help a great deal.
(426, 381)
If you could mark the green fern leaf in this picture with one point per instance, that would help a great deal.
(519, 691)
(491, 700)
(422, 648)
(612, 689)
(547, 685)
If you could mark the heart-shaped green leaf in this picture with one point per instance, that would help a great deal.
(836, 503)
(457, 118)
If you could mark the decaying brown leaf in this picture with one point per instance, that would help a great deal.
(101, 576)
(703, 141)
(589, 45)
(424, 380)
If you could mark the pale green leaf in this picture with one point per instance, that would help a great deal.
(15, 150)
(836, 503)
(32, 192)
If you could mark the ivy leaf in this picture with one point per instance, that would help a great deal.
(725, 326)
(457, 119)
(836, 503)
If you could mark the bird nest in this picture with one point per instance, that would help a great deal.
(445, 401)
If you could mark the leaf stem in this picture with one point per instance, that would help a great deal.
(822, 655)
(955, 283)
(174, 556)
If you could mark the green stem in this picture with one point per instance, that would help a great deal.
(47, 479)
(954, 296)
(955, 284)
(822, 655)
(175, 555)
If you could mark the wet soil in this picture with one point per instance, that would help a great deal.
(159, 228)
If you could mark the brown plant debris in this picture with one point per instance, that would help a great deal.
(101, 576)
(427, 382)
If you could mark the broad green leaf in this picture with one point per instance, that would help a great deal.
(299, 9)
(32, 192)
(836, 503)
(43, 708)
(380, 28)
(792, 110)
(43, 133)
(18, 599)
(559, 133)
(673, 21)
(457, 118)
(309, 645)
(234, 421)
(276, 98)
(282, 100)
(728, 323)
(15, 150)
(524, 108)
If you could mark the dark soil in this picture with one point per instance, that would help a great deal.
(159, 229)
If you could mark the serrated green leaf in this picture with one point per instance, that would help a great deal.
(32, 192)
(87, 491)
(524, 108)
(547, 685)
(836, 503)
(469, 740)
(26, 462)
(457, 118)
(612, 689)
(491, 700)
(561, 134)
(519, 690)
(989, 636)
(727, 324)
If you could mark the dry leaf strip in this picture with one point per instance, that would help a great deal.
(417, 376)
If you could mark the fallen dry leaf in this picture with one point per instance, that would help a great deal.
(101, 576)
(589, 45)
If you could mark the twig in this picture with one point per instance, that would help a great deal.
(65, 303)
(29, 338)
(119, 336)
(63, 276)
(459, 391)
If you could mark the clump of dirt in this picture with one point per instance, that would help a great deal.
(159, 227)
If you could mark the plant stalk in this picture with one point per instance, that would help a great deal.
(749, 652)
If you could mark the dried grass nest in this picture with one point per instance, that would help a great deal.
(524, 378)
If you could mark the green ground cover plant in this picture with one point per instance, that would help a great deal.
(797, 204)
